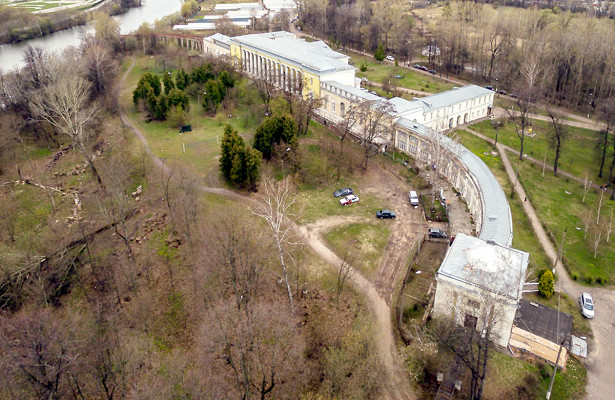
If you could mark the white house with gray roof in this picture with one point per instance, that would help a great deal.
(480, 283)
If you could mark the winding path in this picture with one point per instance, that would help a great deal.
(397, 386)
(600, 362)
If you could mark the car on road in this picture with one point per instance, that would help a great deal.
(489, 87)
(343, 192)
(513, 95)
(390, 58)
(348, 200)
(417, 66)
(414, 199)
(435, 233)
(587, 305)
(502, 92)
(432, 71)
(385, 214)
(423, 68)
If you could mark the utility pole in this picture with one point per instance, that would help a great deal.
(559, 253)
(554, 370)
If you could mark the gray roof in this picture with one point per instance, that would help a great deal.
(450, 97)
(544, 321)
(402, 106)
(314, 56)
(218, 37)
(486, 264)
(497, 220)
(354, 91)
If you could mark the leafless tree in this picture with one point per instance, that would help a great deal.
(40, 353)
(266, 90)
(529, 90)
(596, 242)
(275, 202)
(557, 136)
(609, 227)
(345, 272)
(344, 129)
(600, 206)
(587, 185)
(375, 120)
(65, 104)
(586, 219)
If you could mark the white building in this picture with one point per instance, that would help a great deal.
(481, 281)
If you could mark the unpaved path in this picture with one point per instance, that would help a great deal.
(396, 384)
(601, 358)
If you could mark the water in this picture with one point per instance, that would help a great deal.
(11, 55)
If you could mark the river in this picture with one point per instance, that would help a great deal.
(11, 55)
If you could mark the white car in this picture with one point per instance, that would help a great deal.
(349, 200)
(414, 199)
(390, 58)
(587, 305)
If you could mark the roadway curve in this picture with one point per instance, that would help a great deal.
(397, 386)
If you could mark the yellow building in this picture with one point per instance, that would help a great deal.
(291, 63)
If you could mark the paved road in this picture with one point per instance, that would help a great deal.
(601, 359)
(396, 384)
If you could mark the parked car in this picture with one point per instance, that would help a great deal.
(385, 214)
(416, 66)
(489, 87)
(514, 96)
(390, 58)
(502, 92)
(587, 305)
(432, 71)
(414, 199)
(436, 233)
(343, 192)
(348, 200)
(424, 68)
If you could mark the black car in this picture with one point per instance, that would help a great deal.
(436, 233)
(502, 92)
(385, 214)
(416, 66)
(514, 96)
(343, 192)
(489, 87)
(432, 71)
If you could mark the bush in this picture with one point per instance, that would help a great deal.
(275, 130)
(589, 279)
(177, 117)
(546, 284)
(379, 54)
(574, 276)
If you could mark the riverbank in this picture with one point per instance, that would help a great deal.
(42, 25)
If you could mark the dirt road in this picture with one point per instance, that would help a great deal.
(600, 362)
(396, 384)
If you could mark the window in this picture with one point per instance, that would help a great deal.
(470, 321)
(311, 81)
(473, 303)
(401, 144)
(333, 106)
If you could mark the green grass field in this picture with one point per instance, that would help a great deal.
(577, 155)
(414, 80)
(363, 243)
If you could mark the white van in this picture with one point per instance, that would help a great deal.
(414, 199)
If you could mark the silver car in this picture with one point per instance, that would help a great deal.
(587, 305)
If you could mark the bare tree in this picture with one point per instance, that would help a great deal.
(596, 241)
(600, 206)
(609, 227)
(266, 89)
(586, 219)
(557, 136)
(65, 104)
(345, 272)
(587, 185)
(529, 90)
(274, 205)
(375, 120)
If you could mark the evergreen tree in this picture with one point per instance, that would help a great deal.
(226, 79)
(546, 284)
(162, 108)
(167, 80)
(153, 81)
(179, 98)
(212, 96)
(379, 54)
(239, 163)
(202, 74)
(140, 91)
(274, 130)
(182, 80)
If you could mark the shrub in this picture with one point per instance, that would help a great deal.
(589, 279)
(379, 54)
(546, 284)
(574, 276)
(275, 130)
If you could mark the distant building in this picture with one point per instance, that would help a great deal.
(481, 281)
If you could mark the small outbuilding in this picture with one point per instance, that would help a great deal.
(479, 284)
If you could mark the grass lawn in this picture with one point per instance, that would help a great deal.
(558, 201)
(364, 243)
(509, 377)
(315, 204)
(196, 150)
(376, 72)
(577, 155)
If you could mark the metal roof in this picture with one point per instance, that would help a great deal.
(402, 106)
(353, 91)
(497, 219)
(486, 264)
(451, 97)
(544, 321)
(218, 37)
(315, 56)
